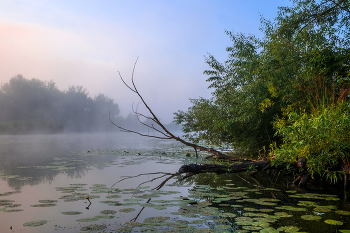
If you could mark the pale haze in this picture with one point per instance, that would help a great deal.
(86, 43)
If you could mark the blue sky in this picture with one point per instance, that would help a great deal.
(86, 43)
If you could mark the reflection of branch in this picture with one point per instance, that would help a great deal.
(144, 174)
(156, 188)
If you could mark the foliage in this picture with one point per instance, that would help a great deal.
(259, 79)
(323, 137)
(318, 131)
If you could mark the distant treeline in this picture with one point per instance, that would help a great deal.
(34, 106)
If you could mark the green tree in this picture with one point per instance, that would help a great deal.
(260, 77)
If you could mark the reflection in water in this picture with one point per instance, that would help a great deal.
(65, 181)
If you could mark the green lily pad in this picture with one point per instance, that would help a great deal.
(222, 227)
(87, 219)
(283, 214)
(12, 210)
(288, 229)
(94, 227)
(104, 216)
(227, 215)
(108, 212)
(71, 213)
(251, 228)
(344, 231)
(114, 196)
(35, 223)
(44, 205)
(200, 221)
(311, 217)
(156, 219)
(322, 210)
(269, 230)
(127, 210)
(123, 229)
(47, 201)
(342, 212)
(333, 222)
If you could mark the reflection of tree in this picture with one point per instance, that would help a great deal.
(28, 159)
(168, 176)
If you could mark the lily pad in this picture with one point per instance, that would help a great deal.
(222, 227)
(94, 227)
(269, 230)
(288, 229)
(114, 196)
(311, 217)
(71, 213)
(108, 212)
(123, 229)
(333, 222)
(12, 210)
(86, 219)
(251, 228)
(44, 205)
(342, 212)
(127, 210)
(105, 216)
(35, 223)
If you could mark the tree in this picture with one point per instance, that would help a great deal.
(260, 77)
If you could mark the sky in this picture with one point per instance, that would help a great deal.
(86, 43)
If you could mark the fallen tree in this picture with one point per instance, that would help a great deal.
(240, 165)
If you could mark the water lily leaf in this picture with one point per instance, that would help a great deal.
(114, 196)
(35, 223)
(127, 210)
(86, 219)
(322, 210)
(342, 212)
(222, 227)
(108, 212)
(104, 216)
(94, 227)
(283, 214)
(229, 215)
(199, 221)
(333, 222)
(71, 213)
(269, 230)
(13, 210)
(288, 229)
(252, 228)
(44, 205)
(311, 217)
(47, 201)
(123, 229)
(156, 219)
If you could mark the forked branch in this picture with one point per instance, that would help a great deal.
(163, 131)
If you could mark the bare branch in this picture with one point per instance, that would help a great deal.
(164, 131)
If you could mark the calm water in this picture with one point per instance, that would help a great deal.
(128, 181)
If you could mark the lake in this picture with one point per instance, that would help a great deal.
(104, 182)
